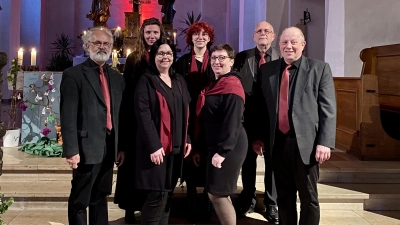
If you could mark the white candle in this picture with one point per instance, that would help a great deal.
(84, 32)
(114, 58)
(117, 32)
(128, 52)
(33, 57)
(20, 56)
(174, 38)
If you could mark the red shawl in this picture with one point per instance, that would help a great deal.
(225, 85)
(165, 125)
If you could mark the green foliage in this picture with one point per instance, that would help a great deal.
(62, 55)
(4, 205)
(13, 73)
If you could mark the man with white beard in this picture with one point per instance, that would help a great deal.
(91, 95)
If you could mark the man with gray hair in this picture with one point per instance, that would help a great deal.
(91, 95)
(248, 63)
(300, 96)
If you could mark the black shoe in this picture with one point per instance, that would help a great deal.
(245, 205)
(130, 216)
(191, 199)
(271, 214)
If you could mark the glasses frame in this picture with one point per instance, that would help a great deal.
(98, 44)
(266, 31)
(162, 54)
(220, 58)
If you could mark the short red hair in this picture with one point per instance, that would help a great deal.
(196, 28)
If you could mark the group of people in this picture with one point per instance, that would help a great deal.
(203, 119)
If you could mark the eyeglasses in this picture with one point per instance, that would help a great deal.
(266, 31)
(220, 58)
(162, 54)
(99, 43)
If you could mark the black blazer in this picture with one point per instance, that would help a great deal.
(83, 112)
(245, 64)
(150, 176)
(313, 105)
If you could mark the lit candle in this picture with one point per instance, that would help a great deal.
(117, 32)
(174, 38)
(84, 32)
(114, 58)
(20, 56)
(33, 57)
(128, 52)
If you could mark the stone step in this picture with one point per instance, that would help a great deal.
(54, 194)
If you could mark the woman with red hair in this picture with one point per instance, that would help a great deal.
(195, 67)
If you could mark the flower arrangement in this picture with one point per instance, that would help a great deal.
(4, 205)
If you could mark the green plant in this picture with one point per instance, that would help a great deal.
(188, 21)
(4, 205)
(12, 78)
(62, 55)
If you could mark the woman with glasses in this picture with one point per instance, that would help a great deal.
(196, 68)
(220, 107)
(161, 108)
(136, 64)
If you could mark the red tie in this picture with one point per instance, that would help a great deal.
(283, 117)
(262, 59)
(106, 94)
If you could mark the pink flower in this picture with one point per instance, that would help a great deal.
(23, 106)
(45, 131)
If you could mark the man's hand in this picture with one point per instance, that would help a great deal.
(188, 149)
(158, 156)
(258, 147)
(120, 158)
(196, 158)
(73, 161)
(217, 160)
(322, 153)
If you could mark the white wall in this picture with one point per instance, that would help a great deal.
(368, 23)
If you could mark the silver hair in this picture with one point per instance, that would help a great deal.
(88, 35)
(303, 39)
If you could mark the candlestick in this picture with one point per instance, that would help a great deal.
(20, 56)
(174, 38)
(33, 57)
(128, 52)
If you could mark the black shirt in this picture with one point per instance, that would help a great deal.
(176, 107)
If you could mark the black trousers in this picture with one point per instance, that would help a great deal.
(155, 210)
(249, 173)
(91, 184)
(292, 176)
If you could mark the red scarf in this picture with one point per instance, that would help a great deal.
(165, 125)
(193, 65)
(146, 54)
(225, 85)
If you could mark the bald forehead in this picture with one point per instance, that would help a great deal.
(292, 31)
(264, 25)
(99, 33)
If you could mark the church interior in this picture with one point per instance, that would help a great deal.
(360, 39)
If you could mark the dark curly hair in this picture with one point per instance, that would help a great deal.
(197, 27)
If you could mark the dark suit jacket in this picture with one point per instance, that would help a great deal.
(313, 105)
(83, 112)
(245, 64)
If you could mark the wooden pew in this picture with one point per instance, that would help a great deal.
(368, 107)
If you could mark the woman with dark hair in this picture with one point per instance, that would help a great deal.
(162, 110)
(136, 64)
(196, 69)
(220, 106)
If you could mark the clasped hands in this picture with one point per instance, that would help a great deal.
(322, 153)
(158, 156)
